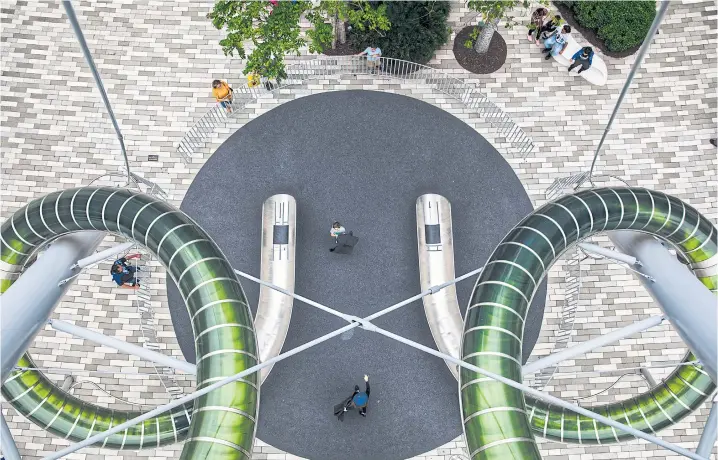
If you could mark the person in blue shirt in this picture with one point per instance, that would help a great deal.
(583, 58)
(358, 400)
(373, 57)
(125, 275)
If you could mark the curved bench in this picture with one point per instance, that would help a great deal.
(596, 74)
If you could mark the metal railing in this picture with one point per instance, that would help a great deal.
(325, 67)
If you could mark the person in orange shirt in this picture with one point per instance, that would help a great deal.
(223, 94)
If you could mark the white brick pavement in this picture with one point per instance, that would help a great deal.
(157, 59)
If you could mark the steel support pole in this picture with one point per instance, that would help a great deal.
(7, 443)
(28, 303)
(609, 253)
(686, 302)
(350, 318)
(636, 65)
(648, 376)
(121, 345)
(710, 432)
(585, 347)
(70, 11)
(178, 402)
(554, 401)
(102, 255)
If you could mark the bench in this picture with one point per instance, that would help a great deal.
(596, 74)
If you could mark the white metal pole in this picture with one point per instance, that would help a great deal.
(29, 302)
(350, 318)
(7, 443)
(102, 255)
(710, 433)
(121, 345)
(429, 291)
(674, 287)
(634, 68)
(585, 347)
(296, 296)
(191, 397)
(178, 402)
(554, 401)
(609, 253)
(648, 376)
(70, 11)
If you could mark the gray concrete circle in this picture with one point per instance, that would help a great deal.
(362, 158)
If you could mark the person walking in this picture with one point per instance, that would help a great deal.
(556, 44)
(337, 230)
(583, 58)
(125, 275)
(373, 57)
(223, 94)
(537, 21)
(358, 400)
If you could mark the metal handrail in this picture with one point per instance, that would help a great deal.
(328, 66)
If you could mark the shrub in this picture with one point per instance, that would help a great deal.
(620, 24)
(418, 29)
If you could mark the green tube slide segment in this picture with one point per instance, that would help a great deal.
(222, 423)
(497, 422)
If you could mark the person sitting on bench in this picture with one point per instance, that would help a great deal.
(583, 58)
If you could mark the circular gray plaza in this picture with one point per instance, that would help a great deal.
(362, 158)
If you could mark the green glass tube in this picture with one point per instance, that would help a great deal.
(222, 423)
(497, 422)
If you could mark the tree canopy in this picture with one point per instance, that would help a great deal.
(273, 28)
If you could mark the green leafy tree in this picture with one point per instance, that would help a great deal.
(493, 12)
(359, 14)
(274, 30)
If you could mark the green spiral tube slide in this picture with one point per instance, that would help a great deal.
(497, 422)
(222, 423)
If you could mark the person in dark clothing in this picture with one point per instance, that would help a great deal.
(358, 400)
(125, 275)
(550, 27)
(537, 20)
(583, 58)
(345, 243)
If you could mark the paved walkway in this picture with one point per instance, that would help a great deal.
(157, 62)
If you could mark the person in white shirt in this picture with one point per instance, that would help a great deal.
(337, 230)
(373, 55)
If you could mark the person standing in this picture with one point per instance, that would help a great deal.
(373, 57)
(358, 400)
(125, 275)
(537, 20)
(556, 44)
(223, 94)
(583, 58)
